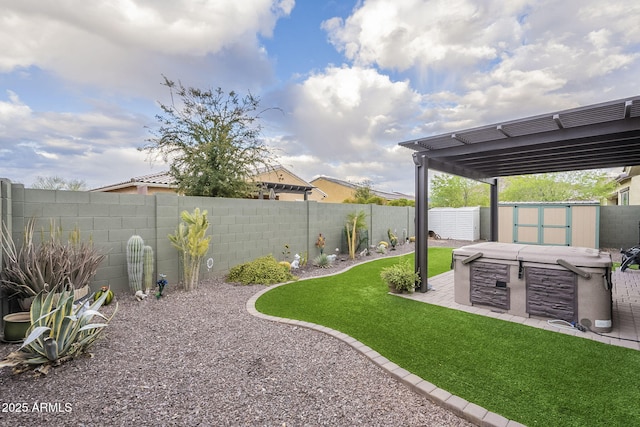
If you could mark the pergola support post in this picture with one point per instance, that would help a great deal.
(421, 220)
(493, 201)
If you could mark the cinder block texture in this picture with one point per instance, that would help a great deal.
(240, 229)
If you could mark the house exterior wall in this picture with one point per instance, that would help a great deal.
(283, 176)
(336, 193)
(142, 189)
(634, 191)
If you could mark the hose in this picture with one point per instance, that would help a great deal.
(563, 324)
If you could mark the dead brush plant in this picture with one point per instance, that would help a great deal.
(42, 266)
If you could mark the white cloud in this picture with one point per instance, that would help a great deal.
(94, 146)
(413, 68)
(402, 34)
(127, 44)
(348, 113)
(496, 60)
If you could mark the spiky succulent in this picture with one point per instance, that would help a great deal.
(57, 334)
(322, 261)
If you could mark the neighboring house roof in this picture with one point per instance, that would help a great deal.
(265, 176)
(163, 179)
(158, 179)
(384, 194)
(627, 173)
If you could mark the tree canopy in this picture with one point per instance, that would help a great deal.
(59, 183)
(454, 191)
(557, 187)
(211, 139)
(364, 195)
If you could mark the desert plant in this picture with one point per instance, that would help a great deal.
(286, 252)
(147, 259)
(191, 243)
(322, 261)
(57, 334)
(320, 243)
(393, 239)
(36, 267)
(135, 246)
(355, 223)
(401, 276)
(261, 271)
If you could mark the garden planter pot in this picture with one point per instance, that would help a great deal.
(15, 326)
(393, 290)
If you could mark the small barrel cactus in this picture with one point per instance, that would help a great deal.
(102, 290)
(135, 246)
(147, 256)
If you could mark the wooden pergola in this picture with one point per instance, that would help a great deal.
(596, 136)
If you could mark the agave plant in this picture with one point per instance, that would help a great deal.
(57, 334)
(322, 261)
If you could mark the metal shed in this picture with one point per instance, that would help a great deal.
(595, 136)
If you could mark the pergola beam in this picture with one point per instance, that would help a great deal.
(590, 137)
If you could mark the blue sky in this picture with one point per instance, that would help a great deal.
(80, 81)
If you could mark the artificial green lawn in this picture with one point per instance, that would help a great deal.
(530, 375)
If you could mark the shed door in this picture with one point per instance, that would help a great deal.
(542, 225)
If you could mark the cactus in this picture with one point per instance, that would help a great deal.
(147, 256)
(134, 262)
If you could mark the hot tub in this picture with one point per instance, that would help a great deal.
(553, 282)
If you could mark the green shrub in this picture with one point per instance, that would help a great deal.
(261, 271)
(322, 261)
(401, 276)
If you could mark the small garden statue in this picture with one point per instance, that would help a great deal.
(296, 261)
(320, 243)
(161, 284)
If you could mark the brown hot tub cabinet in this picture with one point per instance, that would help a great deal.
(552, 282)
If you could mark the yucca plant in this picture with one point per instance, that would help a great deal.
(356, 222)
(57, 334)
(191, 243)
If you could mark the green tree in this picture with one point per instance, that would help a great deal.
(211, 139)
(364, 195)
(557, 187)
(454, 191)
(59, 183)
(401, 202)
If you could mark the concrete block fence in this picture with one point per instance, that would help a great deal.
(240, 230)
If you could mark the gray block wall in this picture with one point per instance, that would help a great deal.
(240, 229)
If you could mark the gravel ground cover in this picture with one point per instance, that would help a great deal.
(199, 359)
